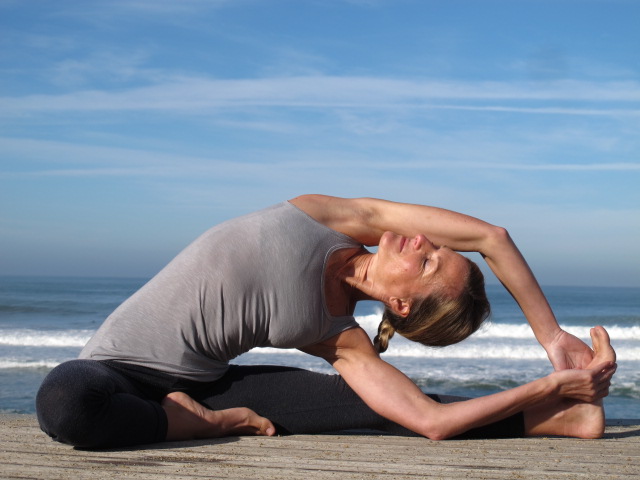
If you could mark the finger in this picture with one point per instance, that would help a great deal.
(604, 369)
(603, 386)
(603, 392)
(605, 365)
(607, 373)
(606, 383)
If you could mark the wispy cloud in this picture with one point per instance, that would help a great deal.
(59, 159)
(197, 94)
(605, 112)
(119, 68)
(92, 11)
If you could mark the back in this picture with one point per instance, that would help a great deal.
(249, 282)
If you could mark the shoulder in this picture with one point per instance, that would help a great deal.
(350, 216)
(347, 344)
(325, 208)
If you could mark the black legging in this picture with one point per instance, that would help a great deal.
(93, 404)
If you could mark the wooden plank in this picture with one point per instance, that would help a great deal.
(26, 453)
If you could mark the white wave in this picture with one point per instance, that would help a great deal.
(498, 340)
(477, 350)
(370, 322)
(502, 330)
(521, 330)
(43, 338)
(468, 351)
(12, 363)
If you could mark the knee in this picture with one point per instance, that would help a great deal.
(68, 405)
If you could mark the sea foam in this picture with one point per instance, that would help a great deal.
(45, 338)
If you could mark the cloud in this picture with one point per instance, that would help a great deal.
(568, 167)
(189, 94)
(606, 112)
(119, 8)
(60, 159)
(113, 67)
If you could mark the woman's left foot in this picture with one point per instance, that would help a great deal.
(188, 419)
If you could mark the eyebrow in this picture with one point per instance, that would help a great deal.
(437, 267)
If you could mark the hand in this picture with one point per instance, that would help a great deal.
(587, 385)
(567, 351)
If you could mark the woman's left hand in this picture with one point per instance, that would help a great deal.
(567, 351)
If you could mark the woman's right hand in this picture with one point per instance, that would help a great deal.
(586, 385)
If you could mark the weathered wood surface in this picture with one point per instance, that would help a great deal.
(25, 452)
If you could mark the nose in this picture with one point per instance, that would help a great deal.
(421, 241)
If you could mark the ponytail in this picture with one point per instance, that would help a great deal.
(385, 333)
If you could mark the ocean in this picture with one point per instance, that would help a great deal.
(47, 320)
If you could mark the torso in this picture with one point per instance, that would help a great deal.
(254, 281)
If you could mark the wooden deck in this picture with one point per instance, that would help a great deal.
(25, 452)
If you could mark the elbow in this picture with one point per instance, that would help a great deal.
(437, 430)
(444, 422)
(437, 436)
(499, 234)
(495, 240)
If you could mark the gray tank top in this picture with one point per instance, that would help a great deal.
(255, 281)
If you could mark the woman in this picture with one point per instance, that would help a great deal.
(289, 276)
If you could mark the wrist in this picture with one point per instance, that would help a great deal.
(551, 386)
(551, 337)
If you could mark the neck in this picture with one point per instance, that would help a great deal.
(355, 274)
(345, 278)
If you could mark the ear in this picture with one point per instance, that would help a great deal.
(400, 306)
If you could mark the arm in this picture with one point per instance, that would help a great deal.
(505, 260)
(366, 219)
(391, 394)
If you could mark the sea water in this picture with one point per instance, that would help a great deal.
(45, 321)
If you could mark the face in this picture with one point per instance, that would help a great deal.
(410, 268)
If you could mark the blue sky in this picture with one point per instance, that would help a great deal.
(129, 127)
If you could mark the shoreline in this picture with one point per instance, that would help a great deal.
(26, 452)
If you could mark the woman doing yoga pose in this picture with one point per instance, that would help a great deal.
(289, 276)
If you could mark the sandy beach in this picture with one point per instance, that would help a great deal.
(25, 452)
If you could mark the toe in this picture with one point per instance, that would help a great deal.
(602, 344)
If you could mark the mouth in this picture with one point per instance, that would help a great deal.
(403, 241)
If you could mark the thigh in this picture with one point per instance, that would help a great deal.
(300, 401)
(89, 404)
(295, 400)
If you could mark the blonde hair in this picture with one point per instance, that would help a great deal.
(439, 320)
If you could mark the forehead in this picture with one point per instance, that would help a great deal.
(452, 272)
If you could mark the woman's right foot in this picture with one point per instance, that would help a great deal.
(188, 419)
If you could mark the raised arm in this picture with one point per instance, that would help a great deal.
(366, 219)
(391, 394)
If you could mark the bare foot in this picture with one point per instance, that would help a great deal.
(602, 347)
(587, 420)
(188, 419)
(570, 417)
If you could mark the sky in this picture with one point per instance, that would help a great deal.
(129, 127)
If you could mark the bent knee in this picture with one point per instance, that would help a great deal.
(67, 407)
